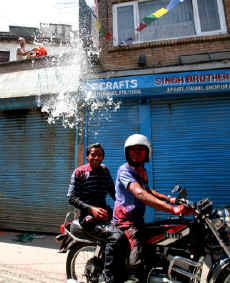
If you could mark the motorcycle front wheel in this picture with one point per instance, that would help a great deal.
(82, 264)
(224, 276)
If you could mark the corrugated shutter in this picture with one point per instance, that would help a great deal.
(111, 130)
(36, 162)
(191, 147)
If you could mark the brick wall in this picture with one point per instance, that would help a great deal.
(158, 54)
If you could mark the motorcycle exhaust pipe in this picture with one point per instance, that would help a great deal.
(155, 279)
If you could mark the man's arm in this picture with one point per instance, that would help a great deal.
(159, 195)
(148, 198)
(73, 194)
(19, 52)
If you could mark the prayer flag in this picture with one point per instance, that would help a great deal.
(172, 4)
(98, 25)
(149, 19)
(161, 12)
(108, 36)
(141, 27)
(93, 5)
(156, 15)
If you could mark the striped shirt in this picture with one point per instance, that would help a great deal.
(89, 187)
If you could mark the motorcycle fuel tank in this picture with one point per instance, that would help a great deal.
(166, 232)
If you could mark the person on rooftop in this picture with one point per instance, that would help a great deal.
(21, 53)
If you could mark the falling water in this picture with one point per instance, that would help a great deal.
(62, 80)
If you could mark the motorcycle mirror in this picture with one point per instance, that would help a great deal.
(182, 194)
(176, 189)
(182, 191)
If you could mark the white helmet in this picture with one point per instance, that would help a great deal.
(138, 139)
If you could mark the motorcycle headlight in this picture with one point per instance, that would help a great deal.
(222, 218)
(226, 216)
(218, 222)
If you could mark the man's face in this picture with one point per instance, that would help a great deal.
(95, 157)
(137, 153)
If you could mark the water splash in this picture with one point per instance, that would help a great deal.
(61, 98)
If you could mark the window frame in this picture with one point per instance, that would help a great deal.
(135, 16)
(197, 25)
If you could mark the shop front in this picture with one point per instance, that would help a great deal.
(36, 162)
(185, 116)
(37, 158)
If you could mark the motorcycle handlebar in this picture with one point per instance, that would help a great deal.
(186, 202)
(203, 206)
(190, 206)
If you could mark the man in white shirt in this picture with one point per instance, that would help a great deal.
(21, 53)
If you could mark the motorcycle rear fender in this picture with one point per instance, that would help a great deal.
(70, 244)
(60, 237)
(217, 268)
(68, 240)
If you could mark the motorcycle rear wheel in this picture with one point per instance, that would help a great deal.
(77, 259)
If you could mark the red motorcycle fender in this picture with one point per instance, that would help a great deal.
(217, 269)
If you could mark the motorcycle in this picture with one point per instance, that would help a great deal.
(176, 250)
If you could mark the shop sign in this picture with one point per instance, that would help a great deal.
(199, 82)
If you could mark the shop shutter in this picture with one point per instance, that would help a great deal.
(111, 130)
(36, 163)
(191, 147)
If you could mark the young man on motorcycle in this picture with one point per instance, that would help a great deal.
(132, 195)
(87, 192)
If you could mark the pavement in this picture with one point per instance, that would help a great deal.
(27, 257)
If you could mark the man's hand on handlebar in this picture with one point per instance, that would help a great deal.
(172, 200)
(181, 209)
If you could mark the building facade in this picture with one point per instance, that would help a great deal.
(169, 66)
(36, 158)
(169, 81)
(189, 28)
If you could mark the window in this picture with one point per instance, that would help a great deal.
(186, 19)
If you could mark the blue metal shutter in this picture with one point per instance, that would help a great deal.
(191, 147)
(112, 131)
(36, 163)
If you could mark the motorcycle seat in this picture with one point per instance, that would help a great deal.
(77, 230)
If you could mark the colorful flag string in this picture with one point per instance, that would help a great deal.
(146, 21)
(93, 5)
(156, 15)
